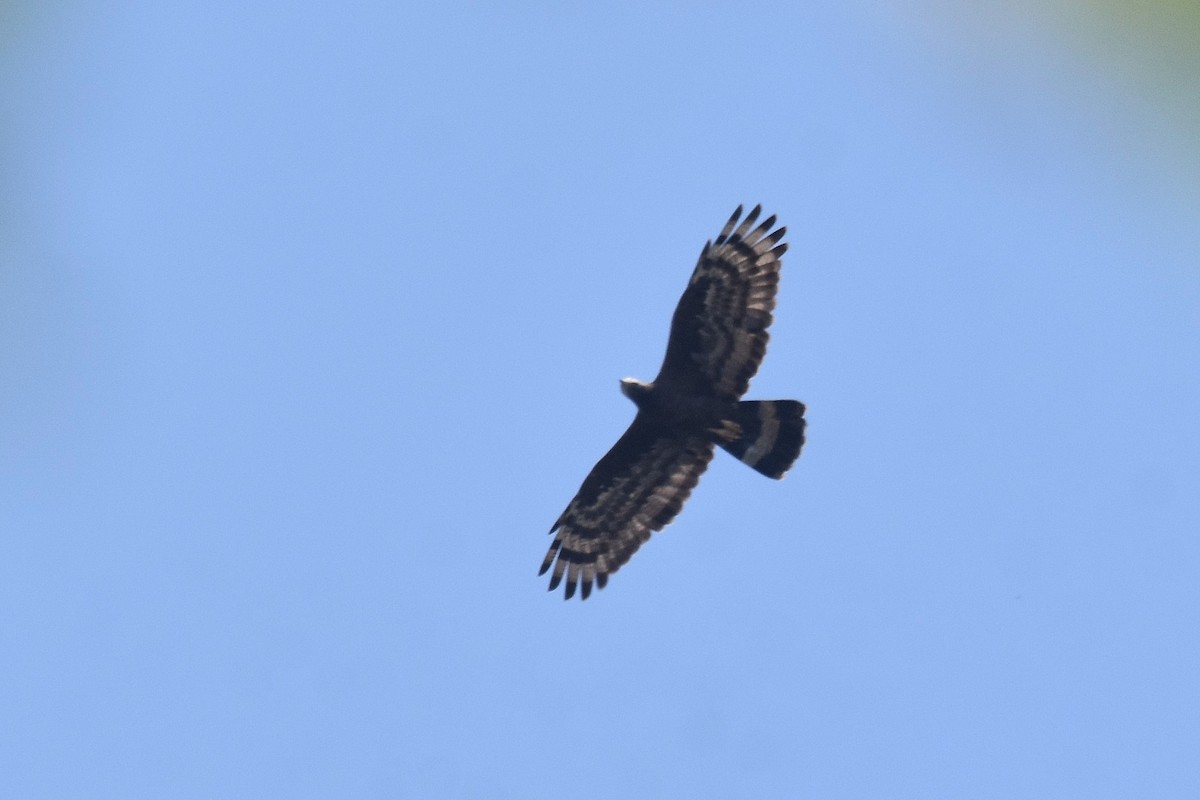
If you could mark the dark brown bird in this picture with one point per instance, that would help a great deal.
(718, 339)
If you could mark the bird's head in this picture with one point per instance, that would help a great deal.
(634, 389)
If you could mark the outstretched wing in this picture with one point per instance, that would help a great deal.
(719, 331)
(637, 488)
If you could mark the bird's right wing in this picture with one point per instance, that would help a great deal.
(637, 488)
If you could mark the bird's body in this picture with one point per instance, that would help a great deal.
(672, 408)
(718, 338)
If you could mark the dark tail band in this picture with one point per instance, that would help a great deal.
(765, 434)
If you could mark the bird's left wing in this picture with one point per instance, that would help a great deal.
(637, 488)
(719, 331)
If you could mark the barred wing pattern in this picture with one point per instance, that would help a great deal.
(719, 331)
(636, 489)
(717, 341)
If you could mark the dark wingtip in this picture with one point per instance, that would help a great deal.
(729, 226)
(555, 546)
(746, 224)
(554, 581)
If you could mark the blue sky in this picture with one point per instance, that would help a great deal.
(311, 322)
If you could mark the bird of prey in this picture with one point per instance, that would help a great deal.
(718, 338)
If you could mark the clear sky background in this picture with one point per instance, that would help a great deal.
(311, 322)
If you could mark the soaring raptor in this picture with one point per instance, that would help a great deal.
(718, 339)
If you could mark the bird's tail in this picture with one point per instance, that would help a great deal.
(764, 434)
